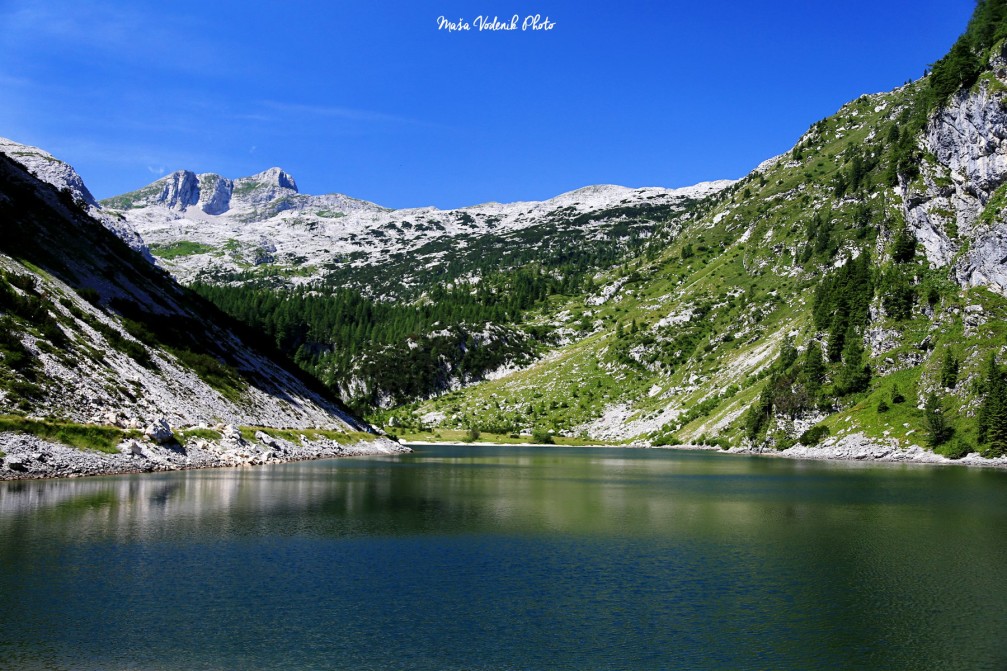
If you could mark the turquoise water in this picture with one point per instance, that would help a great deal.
(509, 558)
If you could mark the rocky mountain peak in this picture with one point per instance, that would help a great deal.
(274, 177)
(48, 168)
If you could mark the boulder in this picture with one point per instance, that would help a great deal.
(159, 432)
(17, 462)
(131, 447)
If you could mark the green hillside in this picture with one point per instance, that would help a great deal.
(798, 305)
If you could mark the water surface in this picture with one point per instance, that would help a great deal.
(509, 558)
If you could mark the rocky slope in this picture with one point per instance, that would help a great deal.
(99, 347)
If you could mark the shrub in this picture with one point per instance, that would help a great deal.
(814, 435)
(954, 449)
(882, 406)
(90, 295)
(542, 436)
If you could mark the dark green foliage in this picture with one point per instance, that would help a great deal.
(788, 354)
(854, 375)
(949, 371)
(129, 347)
(90, 295)
(542, 437)
(83, 436)
(883, 406)
(938, 429)
(790, 391)
(837, 336)
(342, 334)
(821, 242)
(897, 396)
(842, 301)
(471, 435)
(220, 376)
(15, 355)
(759, 414)
(904, 246)
(958, 70)
(956, 448)
(813, 371)
(666, 438)
(898, 295)
(968, 57)
(814, 435)
(991, 424)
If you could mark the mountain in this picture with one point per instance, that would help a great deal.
(213, 229)
(101, 349)
(845, 299)
(388, 306)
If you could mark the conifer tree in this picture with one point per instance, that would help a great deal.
(938, 429)
(854, 375)
(949, 371)
(992, 420)
(813, 371)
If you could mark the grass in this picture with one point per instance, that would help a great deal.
(81, 436)
(210, 370)
(180, 249)
(128, 200)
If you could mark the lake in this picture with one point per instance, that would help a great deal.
(485, 558)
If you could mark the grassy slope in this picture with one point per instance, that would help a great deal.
(746, 281)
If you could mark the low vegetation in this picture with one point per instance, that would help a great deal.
(82, 436)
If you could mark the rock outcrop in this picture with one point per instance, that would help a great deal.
(49, 169)
(951, 206)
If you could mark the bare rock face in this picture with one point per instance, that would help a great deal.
(179, 190)
(968, 139)
(215, 193)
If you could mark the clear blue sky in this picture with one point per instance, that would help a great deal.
(372, 100)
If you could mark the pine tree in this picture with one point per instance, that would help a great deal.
(992, 420)
(854, 376)
(837, 336)
(904, 247)
(788, 354)
(813, 371)
(938, 429)
(949, 371)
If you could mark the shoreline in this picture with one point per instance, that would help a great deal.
(25, 457)
(853, 448)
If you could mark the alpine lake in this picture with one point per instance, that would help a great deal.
(500, 558)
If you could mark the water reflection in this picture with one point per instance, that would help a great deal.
(486, 558)
(511, 490)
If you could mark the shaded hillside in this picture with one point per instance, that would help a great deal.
(92, 332)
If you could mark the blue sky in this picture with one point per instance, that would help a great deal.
(371, 99)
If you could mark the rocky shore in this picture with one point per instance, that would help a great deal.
(27, 457)
(858, 447)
